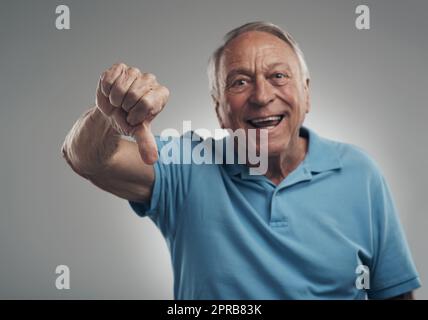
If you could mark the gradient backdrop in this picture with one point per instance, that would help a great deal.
(369, 88)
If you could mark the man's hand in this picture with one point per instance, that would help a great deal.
(132, 99)
(126, 103)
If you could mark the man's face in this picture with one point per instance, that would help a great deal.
(262, 87)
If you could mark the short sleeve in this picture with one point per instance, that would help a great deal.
(170, 186)
(393, 272)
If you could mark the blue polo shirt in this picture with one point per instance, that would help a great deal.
(233, 235)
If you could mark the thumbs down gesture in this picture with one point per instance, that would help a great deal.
(131, 99)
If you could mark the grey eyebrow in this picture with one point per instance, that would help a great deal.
(243, 71)
(247, 72)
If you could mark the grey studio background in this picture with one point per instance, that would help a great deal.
(369, 88)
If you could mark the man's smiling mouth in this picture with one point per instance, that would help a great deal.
(266, 122)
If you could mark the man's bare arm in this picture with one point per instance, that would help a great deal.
(96, 151)
(127, 101)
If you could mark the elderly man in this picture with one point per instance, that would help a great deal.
(319, 224)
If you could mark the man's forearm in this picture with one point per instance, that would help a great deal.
(90, 143)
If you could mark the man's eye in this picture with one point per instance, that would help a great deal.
(280, 78)
(280, 75)
(239, 83)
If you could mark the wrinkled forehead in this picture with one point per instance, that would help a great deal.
(256, 48)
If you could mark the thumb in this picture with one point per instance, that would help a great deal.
(146, 143)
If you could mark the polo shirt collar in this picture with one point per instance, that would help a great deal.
(321, 156)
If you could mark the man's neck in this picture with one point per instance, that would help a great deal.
(282, 165)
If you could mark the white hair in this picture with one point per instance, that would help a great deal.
(214, 61)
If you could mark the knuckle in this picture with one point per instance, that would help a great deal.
(107, 79)
(150, 76)
(115, 68)
(119, 65)
(134, 71)
(110, 72)
(107, 82)
(165, 91)
(152, 112)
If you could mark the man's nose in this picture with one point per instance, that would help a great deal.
(263, 93)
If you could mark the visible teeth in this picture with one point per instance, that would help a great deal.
(273, 118)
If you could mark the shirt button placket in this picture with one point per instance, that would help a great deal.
(278, 218)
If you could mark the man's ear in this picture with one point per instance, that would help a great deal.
(218, 111)
(307, 96)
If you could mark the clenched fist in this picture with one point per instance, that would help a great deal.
(132, 99)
